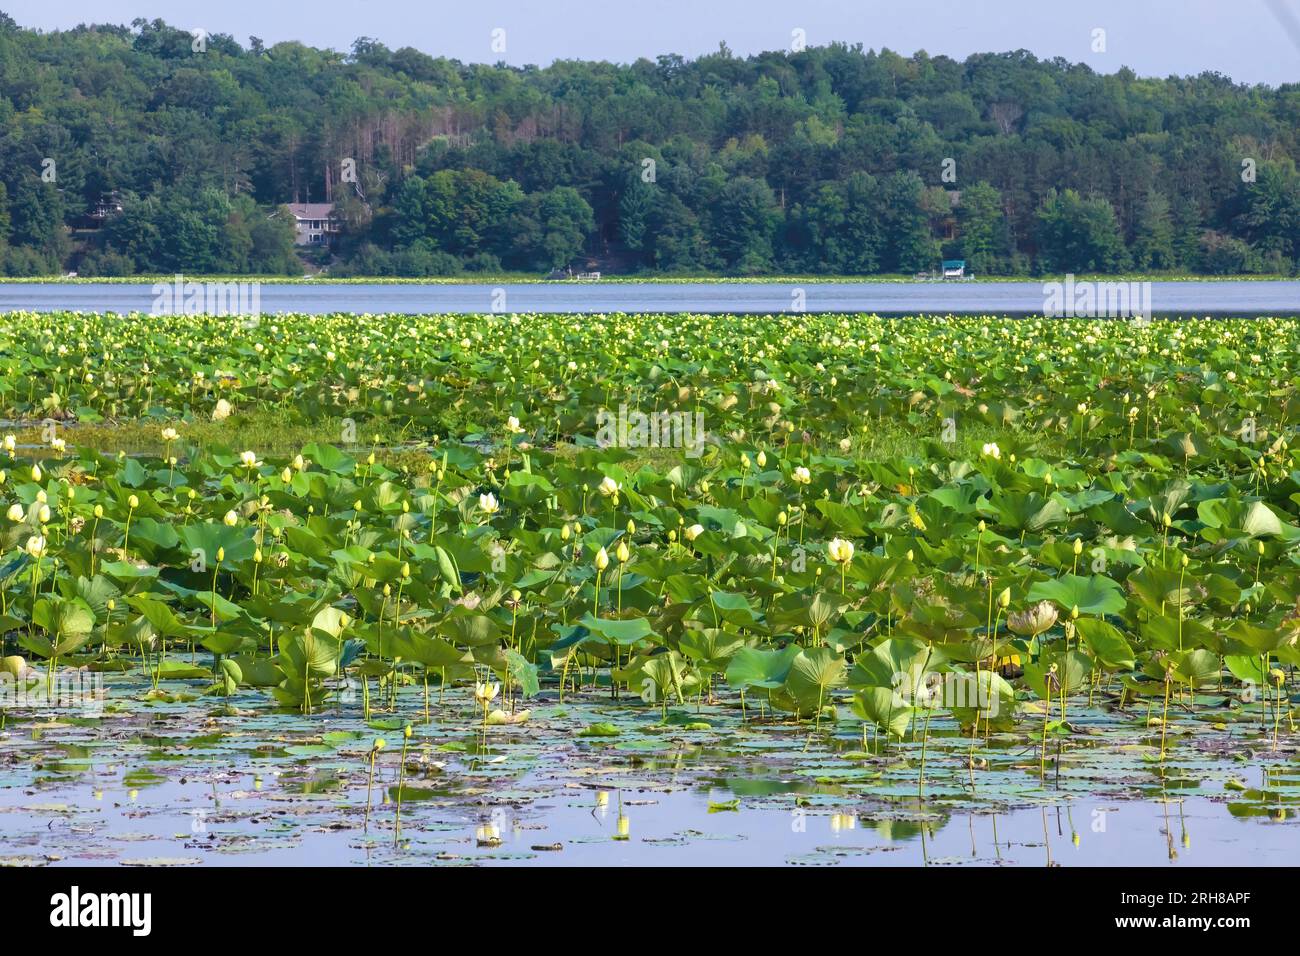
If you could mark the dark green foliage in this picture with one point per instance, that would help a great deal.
(826, 161)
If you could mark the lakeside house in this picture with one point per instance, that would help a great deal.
(954, 268)
(314, 222)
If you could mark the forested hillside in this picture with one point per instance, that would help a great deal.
(834, 160)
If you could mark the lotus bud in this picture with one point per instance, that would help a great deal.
(1078, 546)
(602, 559)
(133, 502)
(221, 555)
(1074, 613)
(99, 511)
(622, 552)
(1004, 599)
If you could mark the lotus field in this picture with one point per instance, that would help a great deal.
(413, 569)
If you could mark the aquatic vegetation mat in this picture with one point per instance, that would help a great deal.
(800, 589)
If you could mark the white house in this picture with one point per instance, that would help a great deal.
(314, 221)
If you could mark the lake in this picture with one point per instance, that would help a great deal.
(1245, 298)
(186, 778)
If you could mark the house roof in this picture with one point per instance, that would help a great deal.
(311, 210)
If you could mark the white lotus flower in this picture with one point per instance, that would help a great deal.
(840, 551)
(487, 503)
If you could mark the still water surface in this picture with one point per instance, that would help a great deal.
(1167, 298)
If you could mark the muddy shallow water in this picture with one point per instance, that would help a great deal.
(204, 781)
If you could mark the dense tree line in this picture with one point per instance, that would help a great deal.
(833, 160)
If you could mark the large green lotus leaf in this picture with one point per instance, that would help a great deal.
(69, 620)
(1251, 520)
(463, 626)
(1165, 632)
(711, 646)
(160, 616)
(813, 675)
(1072, 672)
(1106, 643)
(1247, 668)
(985, 694)
(732, 608)
(329, 620)
(308, 652)
(661, 675)
(424, 649)
(842, 518)
(236, 544)
(223, 643)
(884, 708)
(1028, 512)
(330, 458)
(1261, 639)
(1094, 594)
(1196, 667)
(523, 672)
(899, 663)
(624, 632)
(258, 671)
(755, 667)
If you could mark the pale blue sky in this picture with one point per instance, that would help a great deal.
(1253, 41)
